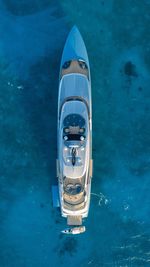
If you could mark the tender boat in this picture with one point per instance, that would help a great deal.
(74, 230)
(74, 158)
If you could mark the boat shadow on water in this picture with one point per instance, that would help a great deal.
(38, 100)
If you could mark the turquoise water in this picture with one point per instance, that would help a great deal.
(117, 37)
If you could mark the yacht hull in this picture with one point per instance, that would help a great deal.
(74, 101)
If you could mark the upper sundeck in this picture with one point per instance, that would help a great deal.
(74, 138)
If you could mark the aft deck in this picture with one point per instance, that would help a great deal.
(74, 201)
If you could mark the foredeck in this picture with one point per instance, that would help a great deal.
(74, 68)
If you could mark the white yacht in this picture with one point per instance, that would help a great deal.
(74, 133)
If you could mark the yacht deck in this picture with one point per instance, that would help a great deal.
(74, 68)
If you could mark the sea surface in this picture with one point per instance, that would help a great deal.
(117, 37)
